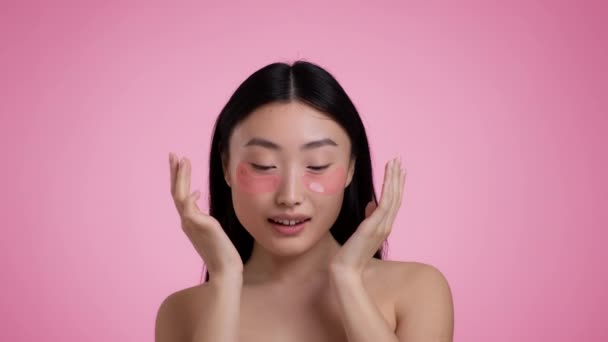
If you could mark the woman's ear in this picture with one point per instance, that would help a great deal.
(227, 178)
(226, 169)
(351, 171)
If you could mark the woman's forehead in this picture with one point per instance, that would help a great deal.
(290, 125)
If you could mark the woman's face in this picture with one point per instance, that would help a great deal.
(288, 159)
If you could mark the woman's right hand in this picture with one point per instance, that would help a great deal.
(204, 231)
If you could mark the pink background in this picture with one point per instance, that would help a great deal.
(498, 110)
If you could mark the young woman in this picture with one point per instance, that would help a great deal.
(293, 239)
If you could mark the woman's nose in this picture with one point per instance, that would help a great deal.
(290, 191)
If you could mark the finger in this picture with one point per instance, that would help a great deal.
(400, 181)
(195, 197)
(191, 200)
(182, 187)
(392, 200)
(397, 176)
(195, 213)
(402, 184)
(190, 211)
(187, 173)
(378, 216)
(395, 182)
(172, 171)
(373, 217)
(386, 186)
(383, 191)
(391, 186)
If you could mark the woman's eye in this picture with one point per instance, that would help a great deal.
(319, 168)
(261, 167)
(265, 168)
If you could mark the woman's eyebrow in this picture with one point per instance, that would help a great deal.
(274, 146)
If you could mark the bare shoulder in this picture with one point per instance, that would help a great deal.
(412, 273)
(175, 316)
(423, 300)
(404, 273)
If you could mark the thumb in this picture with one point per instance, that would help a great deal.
(369, 208)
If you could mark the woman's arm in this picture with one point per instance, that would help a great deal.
(217, 314)
(427, 316)
(361, 318)
(219, 318)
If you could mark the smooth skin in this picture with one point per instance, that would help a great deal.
(204, 231)
(366, 300)
(361, 246)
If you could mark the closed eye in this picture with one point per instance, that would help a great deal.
(261, 167)
(319, 168)
(264, 168)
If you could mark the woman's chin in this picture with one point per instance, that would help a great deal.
(282, 248)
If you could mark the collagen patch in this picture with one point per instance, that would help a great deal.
(248, 180)
(329, 183)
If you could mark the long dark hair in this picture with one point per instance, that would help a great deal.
(308, 83)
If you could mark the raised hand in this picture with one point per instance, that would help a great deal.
(365, 241)
(204, 231)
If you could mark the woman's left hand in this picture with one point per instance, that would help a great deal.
(375, 228)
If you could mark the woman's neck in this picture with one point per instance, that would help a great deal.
(265, 267)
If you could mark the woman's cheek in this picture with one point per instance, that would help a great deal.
(253, 183)
(329, 183)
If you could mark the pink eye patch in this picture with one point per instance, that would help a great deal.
(328, 183)
(255, 183)
(250, 181)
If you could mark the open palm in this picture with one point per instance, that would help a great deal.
(376, 227)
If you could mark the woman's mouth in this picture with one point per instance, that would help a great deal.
(288, 227)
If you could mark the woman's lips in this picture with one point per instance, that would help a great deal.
(289, 230)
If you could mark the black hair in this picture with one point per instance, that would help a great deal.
(310, 84)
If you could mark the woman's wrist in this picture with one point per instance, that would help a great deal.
(226, 280)
(341, 275)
